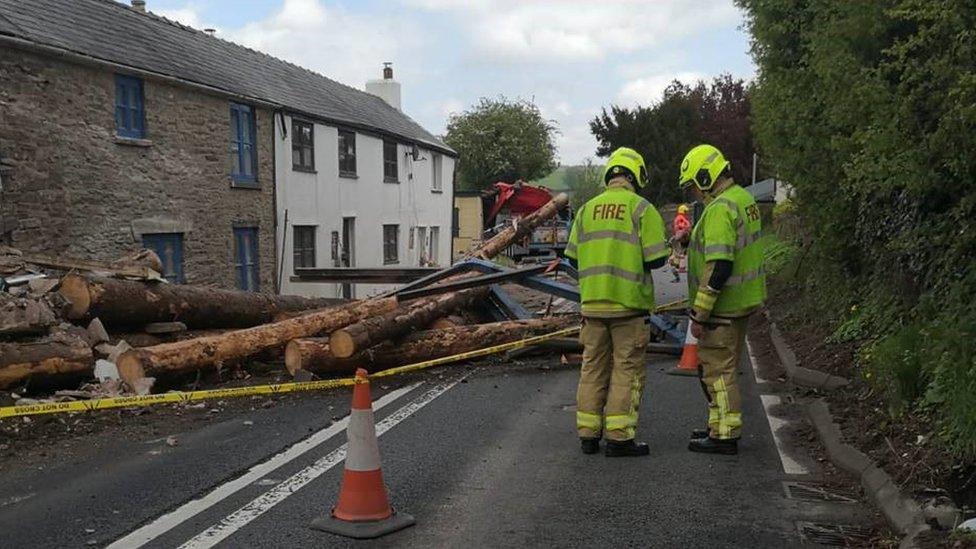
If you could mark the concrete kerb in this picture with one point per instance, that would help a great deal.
(902, 513)
(797, 374)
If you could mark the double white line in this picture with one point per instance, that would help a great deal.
(260, 505)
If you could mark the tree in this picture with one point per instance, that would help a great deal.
(716, 113)
(584, 181)
(501, 140)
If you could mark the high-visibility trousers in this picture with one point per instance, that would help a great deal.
(719, 350)
(612, 377)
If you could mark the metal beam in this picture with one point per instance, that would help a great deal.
(362, 275)
(501, 301)
(472, 282)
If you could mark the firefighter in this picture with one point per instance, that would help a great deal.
(726, 284)
(680, 228)
(616, 239)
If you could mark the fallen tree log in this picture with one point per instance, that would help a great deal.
(315, 354)
(61, 354)
(520, 228)
(368, 332)
(121, 303)
(193, 354)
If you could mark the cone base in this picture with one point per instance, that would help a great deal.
(365, 529)
(683, 372)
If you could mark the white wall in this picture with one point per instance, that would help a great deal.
(323, 198)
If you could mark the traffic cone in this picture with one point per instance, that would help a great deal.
(363, 510)
(688, 365)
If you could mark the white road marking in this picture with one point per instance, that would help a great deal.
(790, 465)
(755, 364)
(170, 520)
(262, 504)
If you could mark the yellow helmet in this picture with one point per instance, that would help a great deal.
(625, 161)
(702, 166)
(683, 209)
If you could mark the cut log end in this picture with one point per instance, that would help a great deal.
(293, 357)
(342, 344)
(130, 367)
(74, 289)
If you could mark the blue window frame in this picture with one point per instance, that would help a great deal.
(244, 156)
(246, 259)
(169, 248)
(130, 116)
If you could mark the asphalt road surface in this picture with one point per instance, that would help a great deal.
(483, 456)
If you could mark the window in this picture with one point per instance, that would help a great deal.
(130, 117)
(303, 247)
(422, 246)
(391, 244)
(347, 153)
(390, 162)
(169, 248)
(246, 258)
(436, 181)
(302, 146)
(243, 154)
(435, 237)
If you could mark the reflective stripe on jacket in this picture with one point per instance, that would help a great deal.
(730, 229)
(613, 235)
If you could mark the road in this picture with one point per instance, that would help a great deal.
(482, 456)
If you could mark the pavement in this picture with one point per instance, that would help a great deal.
(481, 455)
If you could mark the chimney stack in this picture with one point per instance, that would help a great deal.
(211, 32)
(139, 5)
(387, 88)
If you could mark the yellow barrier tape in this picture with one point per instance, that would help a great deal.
(272, 389)
(672, 306)
(475, 354)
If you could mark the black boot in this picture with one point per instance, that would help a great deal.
(590, 445)
(711, 445)
(700, 433)
(626, 448)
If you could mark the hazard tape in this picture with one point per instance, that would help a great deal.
(273, 389)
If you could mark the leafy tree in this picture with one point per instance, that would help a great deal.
(585, 182)
(501, 140)
(717, 112)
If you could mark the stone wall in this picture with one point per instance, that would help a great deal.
(71, 188)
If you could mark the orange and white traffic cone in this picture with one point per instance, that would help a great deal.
(363, 510)
(688, 365)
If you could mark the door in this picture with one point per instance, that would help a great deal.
(348, 257)
(169, 248)
(246, 258)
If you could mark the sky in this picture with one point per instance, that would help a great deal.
(570, 57)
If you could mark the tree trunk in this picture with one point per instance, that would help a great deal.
(58, 355)
(315, 354)
(131, 303)
(193, 354)
(371, 331)
(523, 227)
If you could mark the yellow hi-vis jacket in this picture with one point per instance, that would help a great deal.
(613, 235)
(730, 229)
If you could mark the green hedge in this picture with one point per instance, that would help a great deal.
(868, 109)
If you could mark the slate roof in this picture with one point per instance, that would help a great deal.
(110, 31)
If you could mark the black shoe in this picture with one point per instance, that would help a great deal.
(711, 445)
(700, 433)
(626, 448)
(590, 445)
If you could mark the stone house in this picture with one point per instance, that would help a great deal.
(120, 129)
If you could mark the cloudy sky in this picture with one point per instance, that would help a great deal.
(570, 57)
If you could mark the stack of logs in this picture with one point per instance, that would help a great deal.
(224, 327)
